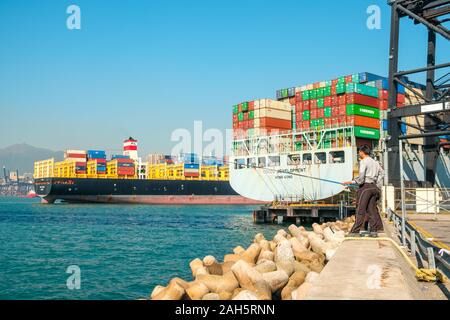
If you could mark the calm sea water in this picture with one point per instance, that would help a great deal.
(123, 251)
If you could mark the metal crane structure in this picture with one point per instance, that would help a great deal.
(433, 14)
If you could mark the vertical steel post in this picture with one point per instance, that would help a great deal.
(393, 126)
(435, 205)
(402, 190)
(431, 262)
(413, 243)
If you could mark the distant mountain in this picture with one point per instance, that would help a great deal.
(22, 157)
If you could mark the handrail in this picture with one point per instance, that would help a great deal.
(435, 256)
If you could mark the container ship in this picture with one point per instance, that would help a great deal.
(87, 176)
(299, 147)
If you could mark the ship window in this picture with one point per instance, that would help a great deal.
(294, 160)
(307, 158)
(251, 163)
(240, 164)
(262, 162)
(320, 158)
(274, 161)
(337, 157)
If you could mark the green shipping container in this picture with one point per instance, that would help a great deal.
(359, 110)
(355, 78)
(235, 109)
(241, 116)
(313, 94)
(340, 88)
(298, 146)
(251, 115)
(284, 93)
(319, 93)
(306, 115)
(327, 112)
(362, 89)
(245, 106)
(328, 83)
(327, 91)
(320, 103)
(305, 95)
(367, 133)
(341, 80)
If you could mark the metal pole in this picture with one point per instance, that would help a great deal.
(402, 188)
(413, 243)
(435, 204)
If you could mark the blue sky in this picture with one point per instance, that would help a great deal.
(145, 68)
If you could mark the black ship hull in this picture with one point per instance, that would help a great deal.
(138, 191)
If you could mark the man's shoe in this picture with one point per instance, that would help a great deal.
(373, 235)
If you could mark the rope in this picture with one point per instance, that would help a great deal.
(422, 274)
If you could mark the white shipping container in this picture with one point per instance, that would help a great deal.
(275, 113)
(256, 112)
(76, 152)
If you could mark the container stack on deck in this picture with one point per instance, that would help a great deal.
(80, 159)
(260, 117)
(96, 164)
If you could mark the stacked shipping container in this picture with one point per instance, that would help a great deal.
(260, 117)
(358, 100)
(79, 157)
(96, 164)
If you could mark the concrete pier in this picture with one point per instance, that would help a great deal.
(371, 270)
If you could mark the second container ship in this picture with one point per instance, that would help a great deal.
(87, 176)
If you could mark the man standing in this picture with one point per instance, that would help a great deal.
(370, 181)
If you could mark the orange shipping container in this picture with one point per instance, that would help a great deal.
(363, 122)
(275, 123)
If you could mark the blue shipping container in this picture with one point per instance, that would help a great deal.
(119, 156)
(192, 166)
(385, 125)
(367, 77)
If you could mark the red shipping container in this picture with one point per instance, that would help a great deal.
(276, 123)
(348, 79)
(292, 101)
(341, 121)
(342, 99)
(313, 104)
(306, 105)
(334, 101)
(333, 90)
(327, 101)
(251, 124)
(299, 107)
(320, 113)
(235, 118)
(363, 122)
(251, 105)
(342, 111)
(334, 82)
(246, 116)
(240, 107)
(313, 114)
(383, 94)
(76, 155)
(299, 115)
(383, 104)
(316, 85)
(235, 125)
(401, 100)
(306, 125)
(298, 97)
(328, 122)
(355, 98)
